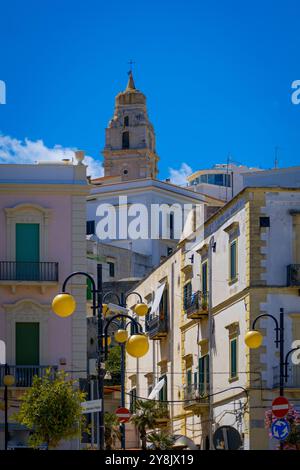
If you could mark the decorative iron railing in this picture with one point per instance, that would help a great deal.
(28, 271)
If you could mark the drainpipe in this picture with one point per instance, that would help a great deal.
(210, 337)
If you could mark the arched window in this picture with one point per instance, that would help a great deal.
(125, 140)
(126, 121)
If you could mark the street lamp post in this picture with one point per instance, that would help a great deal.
(8, 381)
(64, 305)
(122, 300)
(254, 338)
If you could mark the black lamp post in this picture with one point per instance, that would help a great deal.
(254, 339)
(122, 303)
(64, 305)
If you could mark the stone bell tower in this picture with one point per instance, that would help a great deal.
(129, 150)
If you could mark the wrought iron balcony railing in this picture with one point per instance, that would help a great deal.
(24, 374)
(293, 380)
(293, 275)
(196, 306)
(157, 326)
(196, 394)
(28, 271)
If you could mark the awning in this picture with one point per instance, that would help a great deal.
(157, 299)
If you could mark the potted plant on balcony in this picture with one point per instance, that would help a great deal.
(161, 413)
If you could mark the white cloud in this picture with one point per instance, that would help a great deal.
(179, 176)
(17, 151)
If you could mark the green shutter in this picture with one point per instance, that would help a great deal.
(233, 269)
(204, 278)
(28, 242)
(233, 358)
(27, 251)
(201, 375)
(27, 344)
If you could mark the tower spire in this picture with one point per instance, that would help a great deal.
(130, 84)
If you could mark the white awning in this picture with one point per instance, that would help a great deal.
(157, 299)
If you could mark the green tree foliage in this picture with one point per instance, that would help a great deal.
(160, 440)
(144, 418)
(113, 363)
(112, 432)
(52, 409)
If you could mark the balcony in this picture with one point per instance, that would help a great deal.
(196, 306)
(157, 327)
(18, 273)
(24, 374)
(293, 380)
(293, 275)
(196, 396)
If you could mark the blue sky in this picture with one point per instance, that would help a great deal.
(217, 76)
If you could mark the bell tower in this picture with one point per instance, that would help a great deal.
(129, 150)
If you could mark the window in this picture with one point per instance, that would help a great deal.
(27, 251)
(90, 227)
(27, 344)
(264, 221)
(163, 394)
(195, 380)
(126, 121)
(187, 294)
(169, 250)
(163, 306)
(125, 140)
(233, 260)
(125, 172)
(204, 277)
(111, 268)
(233, 357)
(132, 400)
(203, 370)
(189, 379)
(172, 226)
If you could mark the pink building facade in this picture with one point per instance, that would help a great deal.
(42, 240)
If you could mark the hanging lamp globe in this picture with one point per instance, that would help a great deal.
(137, 345)
(8, 380)
(63, 305)
(253, 339)
(141, 309)
(121, 336)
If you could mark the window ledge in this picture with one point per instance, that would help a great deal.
(233, 379)
(233, 281)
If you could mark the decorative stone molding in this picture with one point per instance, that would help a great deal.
(26, 213)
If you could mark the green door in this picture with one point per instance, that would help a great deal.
(27, 252)
(27, 344)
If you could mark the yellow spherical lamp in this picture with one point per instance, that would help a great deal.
(141, 309)
(63, 304)
(108, 341)
(8, 380)
(137, 345)
(121, 336)
(253, 339)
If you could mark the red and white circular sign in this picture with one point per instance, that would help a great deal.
(123, 414)
(280, 407)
